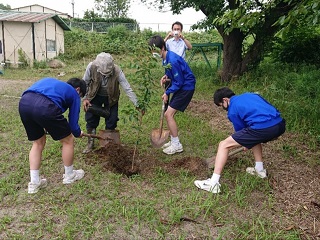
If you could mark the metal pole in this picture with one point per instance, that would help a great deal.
(72, 3)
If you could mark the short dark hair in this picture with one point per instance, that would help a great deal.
(77, 82)
(221, 93)
(157, 41)
(177, 23)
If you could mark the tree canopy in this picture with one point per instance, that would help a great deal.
(112, 8)
(237, 20)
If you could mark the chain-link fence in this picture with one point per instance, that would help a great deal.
(102, 26)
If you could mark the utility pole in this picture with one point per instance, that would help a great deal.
(72, 3)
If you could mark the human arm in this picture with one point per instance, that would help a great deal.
(169, 35)
(174, 73)
(237, 122)
(74, 112)
(188, 44)
(127, 88)
(86, 104)
(87, 74)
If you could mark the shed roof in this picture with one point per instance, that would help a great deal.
(33, 5)
(31, 17)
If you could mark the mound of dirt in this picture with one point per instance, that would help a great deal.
(119, 159)
(115, 158)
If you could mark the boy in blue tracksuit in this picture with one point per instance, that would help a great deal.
(181, 85)
(41, 109)
(255, 121)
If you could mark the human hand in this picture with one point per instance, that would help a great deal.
(165, 98)
(86, 103)
(81, 134)
(163, 80)
(181, 36)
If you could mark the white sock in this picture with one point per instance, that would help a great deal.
(215, 178)
(175, 140)
(259, 166)
(68, 170)
(35, 176)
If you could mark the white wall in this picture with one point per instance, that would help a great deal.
(18, 35)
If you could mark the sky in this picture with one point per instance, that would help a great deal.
(147, 18)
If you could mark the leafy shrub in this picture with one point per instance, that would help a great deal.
(118, 32)
(119, 40)
(302, 45)
(40, 64)
(23, 58)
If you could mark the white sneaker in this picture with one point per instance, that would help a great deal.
(76, 175)
(207, 185)
(168, 144)
(253, 171)
(34, 187)
(172, 149)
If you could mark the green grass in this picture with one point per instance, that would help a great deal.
(106, 205)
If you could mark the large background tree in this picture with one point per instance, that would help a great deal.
(238, 20)
(112, 8)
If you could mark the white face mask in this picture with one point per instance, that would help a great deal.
(156, 55)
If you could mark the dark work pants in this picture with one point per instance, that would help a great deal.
(93, 120)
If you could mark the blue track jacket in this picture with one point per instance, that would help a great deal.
(64, 96)
(177, 69)
(252, 110)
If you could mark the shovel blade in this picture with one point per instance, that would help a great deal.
(108, 136)
(159, 138)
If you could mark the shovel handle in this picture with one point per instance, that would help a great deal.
(234, 152)
(161, 117)
(240, 149)
(95, 136)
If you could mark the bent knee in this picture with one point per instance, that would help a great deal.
(229, 142)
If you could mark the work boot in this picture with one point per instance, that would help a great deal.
(90, 144)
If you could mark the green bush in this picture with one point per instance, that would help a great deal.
(40, 64)
(302, 45)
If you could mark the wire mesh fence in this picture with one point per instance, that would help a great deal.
(102, 27)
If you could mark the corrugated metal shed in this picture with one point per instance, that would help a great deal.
(32, 17)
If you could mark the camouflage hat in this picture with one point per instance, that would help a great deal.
(104, 63)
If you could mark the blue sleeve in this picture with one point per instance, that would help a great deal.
(176, 76)
(237, 122)
(74, 112)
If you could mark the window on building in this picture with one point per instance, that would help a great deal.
(51, 45)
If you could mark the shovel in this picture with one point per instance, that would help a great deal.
(159, 136)
(102, 140)
(210, 161)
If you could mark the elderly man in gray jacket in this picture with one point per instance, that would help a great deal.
(103, 78)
